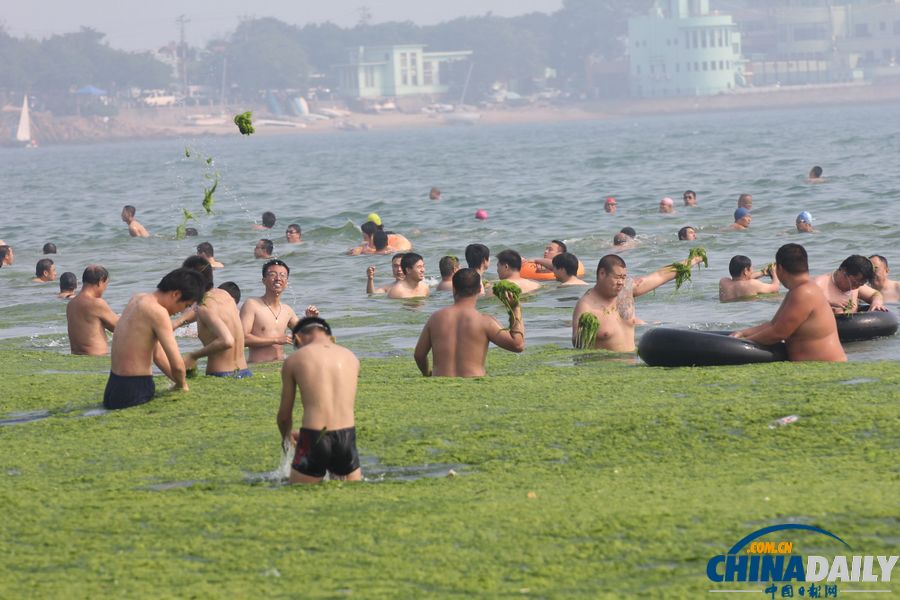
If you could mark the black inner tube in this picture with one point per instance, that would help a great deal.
(866, 324)
(665, 347)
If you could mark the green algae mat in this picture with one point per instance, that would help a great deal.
(577, 475)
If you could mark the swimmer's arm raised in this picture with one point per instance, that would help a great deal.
(423, 347)
(294, 319)
(288, 396)
(642, 285)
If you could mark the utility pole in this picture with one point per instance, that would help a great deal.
(182, 54)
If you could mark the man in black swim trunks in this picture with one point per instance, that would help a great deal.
(326, 374)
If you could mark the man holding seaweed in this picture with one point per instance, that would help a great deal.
(612, 301)
(458, 335)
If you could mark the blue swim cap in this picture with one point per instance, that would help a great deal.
(740, 214)
(804, 217)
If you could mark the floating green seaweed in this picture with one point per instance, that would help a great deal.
(244, 122)
(683, 269)
(181, 230)
(208, 196)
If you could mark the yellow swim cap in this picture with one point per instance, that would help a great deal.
(374, 218)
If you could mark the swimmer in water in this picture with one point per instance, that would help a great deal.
(610, 205)
(846, 286)
(509, 267)
(135, 229)
(745, 201)
(742, 218)
(565, 269)
(690, 198)
(6, 255)
(804, 223)
(625, 238)
(434, 194)
(88, 316)
(67, 285)
(815, 175)
(448, 265)
(413, 283)
(292, 234)
(263, 249)
(744, 281)
(666, 206)
(687, 234)
(478, 257)
(205, 249)
(44, 271)
(890, 290)
(268, 221)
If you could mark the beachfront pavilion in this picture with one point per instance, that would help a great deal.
(391, 71)
(681, 49)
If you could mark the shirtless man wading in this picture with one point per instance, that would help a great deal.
(265, 319)
(326, 375)
(458, 335)
(88, 315)
(846, 286)
(804, 320)
(744, 281)
(144, 336)
(612, 300)
(219, 327)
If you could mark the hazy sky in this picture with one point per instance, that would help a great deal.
(149, 24)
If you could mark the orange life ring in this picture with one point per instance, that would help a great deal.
(530, 271)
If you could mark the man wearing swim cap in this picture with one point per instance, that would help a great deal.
(804, 223)
(804, 320)
(742, 218)
(890, 290)
(610, 205)
(666, 206)
(326, 375)
(846, 286)
(612, 301)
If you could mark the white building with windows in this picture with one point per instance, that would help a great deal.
(392, 71)
(682, 49)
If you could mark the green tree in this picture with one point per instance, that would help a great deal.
(266, 54)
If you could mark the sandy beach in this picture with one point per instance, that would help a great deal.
(174, 122)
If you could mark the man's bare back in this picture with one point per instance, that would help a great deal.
(326, 375)
(731, 290)
(135, 229)
(143, 323)
(458, 335)
(218, 319)
(89, 317)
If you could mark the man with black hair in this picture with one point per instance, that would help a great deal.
(625, 238)
(135, 229)
(268, 221)
(744, 281)
(49, 248)
(890, 290)
(395, 270)
(412, 285)
(509, 265)
(233, 290)
(689, 197)
(846, 286)
(67, 285)
(804, 320)
(263, 249)
(292, 234)
(265, 319)
(205, 249)
(565, 269)
(143, 336)
(612, 301)
(6, 255)
(44, 271)
(478, 257)
(326, 375)
(88, 316)
(687, 234)
(219, 327)
(458, 335)
(448, 265)
(545, 264)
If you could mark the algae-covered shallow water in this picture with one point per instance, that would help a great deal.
(538, 182)
(583, 480)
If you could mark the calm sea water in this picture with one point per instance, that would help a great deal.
(537, 182)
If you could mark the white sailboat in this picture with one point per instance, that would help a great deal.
(23, 133)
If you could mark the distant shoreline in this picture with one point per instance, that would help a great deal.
(169, 123)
